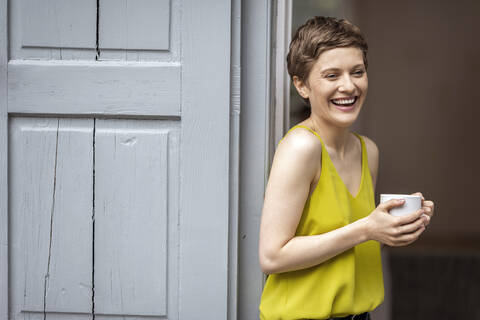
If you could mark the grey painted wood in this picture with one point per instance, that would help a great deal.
(205, 159)
(129, 24)
(59, 23)
(3, 163)
(131, 215)
(235, 105)
(282, 26)
(170, 54)
(106, 88)
(50, 215)
(189, 250)
(20, 52)
(17, 49)
(56, 316)
(254, 162)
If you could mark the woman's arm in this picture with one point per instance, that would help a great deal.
(294, 167)
(295, 164)
(306, 251)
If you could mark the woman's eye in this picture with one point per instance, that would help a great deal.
(358, 72)
(331, 76)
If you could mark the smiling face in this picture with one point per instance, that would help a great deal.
(336, 86)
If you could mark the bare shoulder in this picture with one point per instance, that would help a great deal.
(301, 139)
(301, 142)
(373, 157)
(297, 157)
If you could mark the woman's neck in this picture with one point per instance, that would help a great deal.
(336, 139)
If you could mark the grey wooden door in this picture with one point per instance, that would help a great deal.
(115, 130)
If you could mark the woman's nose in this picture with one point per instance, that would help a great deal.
(346, 84)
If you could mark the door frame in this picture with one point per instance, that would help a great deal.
(3, 162)
(264, 119)
(280, 106)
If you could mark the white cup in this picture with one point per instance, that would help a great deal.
(411, 204)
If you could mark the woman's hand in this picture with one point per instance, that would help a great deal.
(392, 230)
(428, 206)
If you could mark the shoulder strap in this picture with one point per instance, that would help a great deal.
(305, 127)
(364, 149)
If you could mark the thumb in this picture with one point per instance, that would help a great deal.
(391, 204)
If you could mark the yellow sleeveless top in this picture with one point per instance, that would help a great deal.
(349, 283)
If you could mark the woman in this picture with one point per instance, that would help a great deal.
(320, 232)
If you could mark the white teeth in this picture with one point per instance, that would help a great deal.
(344, 101)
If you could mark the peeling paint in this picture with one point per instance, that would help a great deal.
(130, 141)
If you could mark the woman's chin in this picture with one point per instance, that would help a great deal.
(346, 119)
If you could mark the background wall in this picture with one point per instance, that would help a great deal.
(422, 111)
(422, 106)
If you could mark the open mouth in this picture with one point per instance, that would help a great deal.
(345, 102)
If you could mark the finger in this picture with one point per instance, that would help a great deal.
(418, 194)
(392, 203)
(428, 211)
(412, 227)
(431, 207)
(411, 237)
(408, 218)
(428, 203)
(426, 219)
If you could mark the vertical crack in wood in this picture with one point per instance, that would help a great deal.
(47, 275)
(93, 225)
(97, 56)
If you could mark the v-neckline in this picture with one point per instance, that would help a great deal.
(360, 187)
(338, 175)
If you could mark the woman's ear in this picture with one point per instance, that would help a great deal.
(301, 87)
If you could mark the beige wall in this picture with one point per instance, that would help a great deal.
(422, 107)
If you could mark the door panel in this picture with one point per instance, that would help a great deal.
(57, 23)
(118, 159)
(129, 24)
(133, 162)
(50, 214)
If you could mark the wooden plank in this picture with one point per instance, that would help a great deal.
(94, 88)
(32, 166)
(22, 51)
(59, 23)
(3, 163)
(205, 159)
(130, 24)
(254, 162)
(50, 215)
(70, 281)
(131, 210)
(172, 53)
(234, 155)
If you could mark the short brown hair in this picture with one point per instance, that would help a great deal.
(317, 35)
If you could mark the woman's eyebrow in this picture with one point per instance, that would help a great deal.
(330, 70)
(360, 65)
